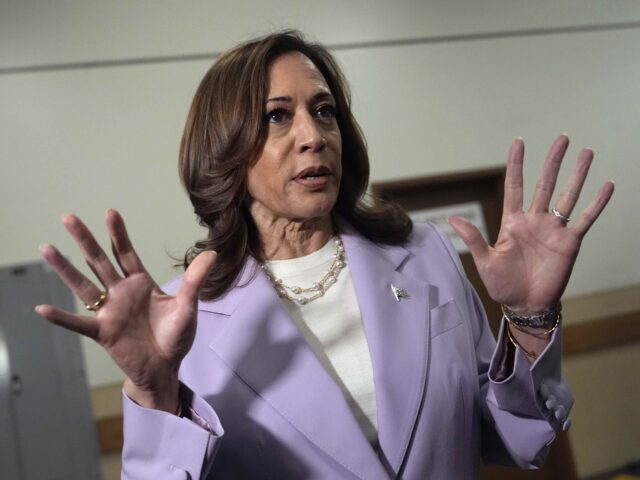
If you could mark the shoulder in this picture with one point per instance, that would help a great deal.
(428, 240)
(428, 233)
(226, 303)
(424, 233)
(426, 250)
(172, 286)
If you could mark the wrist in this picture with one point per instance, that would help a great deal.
(165, 398)
(532, 345)
(530, 309)
(547, 319)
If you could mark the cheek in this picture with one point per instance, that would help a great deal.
(263, 172)
(336, 147)
(339, 166)
(265, 184)
(261, 184)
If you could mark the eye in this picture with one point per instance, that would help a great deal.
(277, 116)
(326, 112)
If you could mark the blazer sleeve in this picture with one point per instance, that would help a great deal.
(517, 427)
(162, 445)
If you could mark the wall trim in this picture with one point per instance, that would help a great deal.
(400, 42)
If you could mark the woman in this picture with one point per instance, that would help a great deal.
(332, 339)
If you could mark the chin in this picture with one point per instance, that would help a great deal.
(316, 209)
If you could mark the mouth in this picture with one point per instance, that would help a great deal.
(313, 173)
(314, 177)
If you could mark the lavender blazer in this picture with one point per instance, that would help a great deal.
(262, 405)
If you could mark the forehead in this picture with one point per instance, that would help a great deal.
(294, 70)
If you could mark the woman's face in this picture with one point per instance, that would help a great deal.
(297, 175)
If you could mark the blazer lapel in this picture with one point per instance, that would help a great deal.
(398, 337)
(264, 347)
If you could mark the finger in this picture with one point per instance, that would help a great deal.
(551, 402)
(563, 392)
(70, 275)
(471, 236)
(560, 413)
(121, 245)
(547, 179)
(513, 178)
(195, 275)
(93, 253)
(571, 192)
(594, 209)
(81, 324)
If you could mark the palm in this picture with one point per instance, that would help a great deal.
(529, 266)
(140, 318)
(531, 261)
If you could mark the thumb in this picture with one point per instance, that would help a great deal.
(471, 236)
(195, 275)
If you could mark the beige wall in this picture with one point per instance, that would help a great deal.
(606, 418)
(106, 400)
(84, 139)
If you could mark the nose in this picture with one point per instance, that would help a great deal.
(308, 135)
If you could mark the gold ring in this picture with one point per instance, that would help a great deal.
(96, 306)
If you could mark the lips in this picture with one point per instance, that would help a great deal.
(314, 177)
(313, 172)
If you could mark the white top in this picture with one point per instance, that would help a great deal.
(332, 326)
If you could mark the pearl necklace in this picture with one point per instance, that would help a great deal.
(317, 289)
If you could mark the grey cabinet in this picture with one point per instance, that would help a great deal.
(47, 430)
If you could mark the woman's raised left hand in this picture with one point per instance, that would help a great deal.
(530, 264)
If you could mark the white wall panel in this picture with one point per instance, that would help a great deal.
(37, 32)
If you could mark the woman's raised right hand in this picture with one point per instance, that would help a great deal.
(145, 331)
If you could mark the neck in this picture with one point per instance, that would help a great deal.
(283, 239)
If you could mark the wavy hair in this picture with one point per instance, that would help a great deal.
(225, 132)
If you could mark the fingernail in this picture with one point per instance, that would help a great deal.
(38, 308)
(566, 425)
(564, 134)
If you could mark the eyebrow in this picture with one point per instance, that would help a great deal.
(315, 98)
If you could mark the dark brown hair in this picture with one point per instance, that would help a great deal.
(225, 132)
